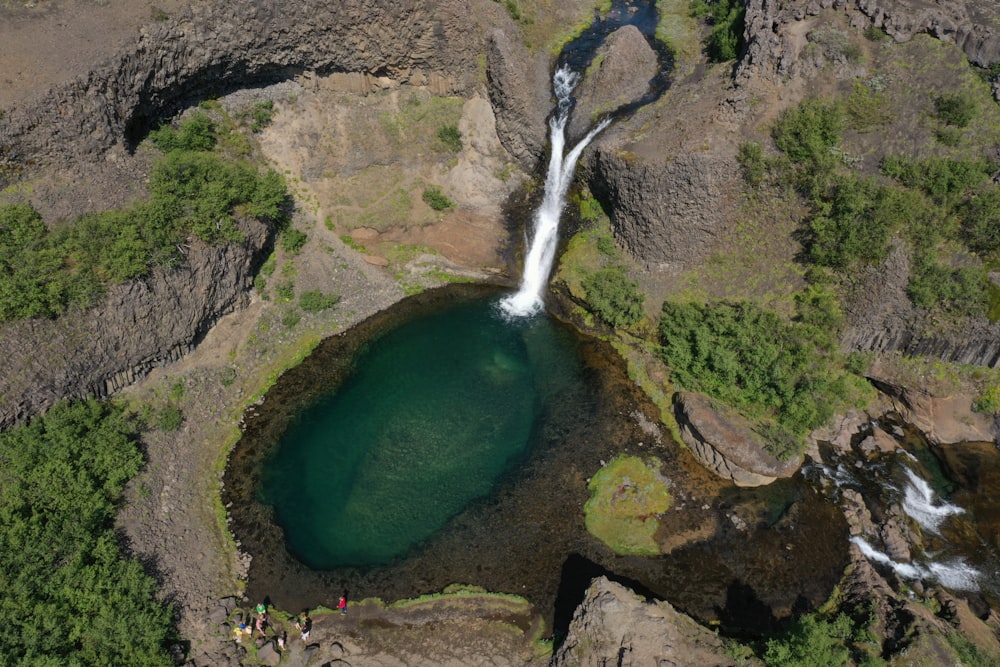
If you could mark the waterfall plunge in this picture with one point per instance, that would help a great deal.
(538, 264)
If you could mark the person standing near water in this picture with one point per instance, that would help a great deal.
(342, 605)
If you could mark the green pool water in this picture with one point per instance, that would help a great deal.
(432, 416)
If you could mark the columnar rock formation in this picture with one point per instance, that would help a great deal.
(220, 46)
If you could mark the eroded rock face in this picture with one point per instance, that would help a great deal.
(136, 326)
(216, 46)
(626, 63)
(659, 204)
(614, 626)
(724, 442)
(520, 92)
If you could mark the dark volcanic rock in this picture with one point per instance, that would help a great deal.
(613, 626)
(520, 92)
(137, 326)
(626, 65)
(220, 46)
(724, 442)
(659, 204)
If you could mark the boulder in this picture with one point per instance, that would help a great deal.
(621, 72)
(614, 626)
(268, 655)
(725, 443)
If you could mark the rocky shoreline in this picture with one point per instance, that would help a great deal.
(201, 335)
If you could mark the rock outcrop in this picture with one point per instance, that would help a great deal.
(620, 74)
(521, 94)
(881, 318)
(137, 326)
(615, 626)
(219, 46)
(723, 441)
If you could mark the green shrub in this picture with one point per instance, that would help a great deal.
(613, 297)
(169, 418)
(69, 596)
(292, 240)
(811, 642)
(747, 357)
(436, 199)
(945, 180)
(956, 109)
(261, 115)
(853, 225)
(989, 401)
(980, 226)
(868, 108)
(753, 164)
(313, 301)
(725, 41)
(450, 137)
(196, 133)
(285, 291)
(808, 133)
(960, 290)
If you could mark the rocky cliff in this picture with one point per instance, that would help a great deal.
(214, 47)
(207, 49)
(136, 326)
(615, 626)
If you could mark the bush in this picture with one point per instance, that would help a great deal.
(747, 357)
(436, 199)
(69, 596)
(613, 297)
(313, 301)
(981, 221)
(451, 137)
(811, 642)
(261, 115)
(854, 225)
(196, 133)
(808, 133)
(725, 41)
(751, 159)
(292, 240)
(169, 418)
(959, 290)
(956, 109)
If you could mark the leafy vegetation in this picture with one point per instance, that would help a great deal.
(613, 296)
(956, 109)
(811, 641)
(726, 18)
(292, 240)
(626, 496)
(69, 598)
(785, 376)
(936, 204)
(193, 192)
(313, 301)
(450, 137)
(436, 199)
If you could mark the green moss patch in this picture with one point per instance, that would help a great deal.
(626, 497)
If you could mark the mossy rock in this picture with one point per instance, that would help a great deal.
(627, 496)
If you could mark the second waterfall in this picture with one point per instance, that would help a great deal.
(545, 232)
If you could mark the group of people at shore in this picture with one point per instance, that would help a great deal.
(261, 625)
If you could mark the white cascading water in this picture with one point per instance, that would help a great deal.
(538, 264)
(921, 504)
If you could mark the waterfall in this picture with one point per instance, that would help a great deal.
(919, 504)
(955, 574)
(538, 263)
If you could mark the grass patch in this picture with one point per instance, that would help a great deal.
(626, 497)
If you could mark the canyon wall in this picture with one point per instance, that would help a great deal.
(208, 49)
(212, 48)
